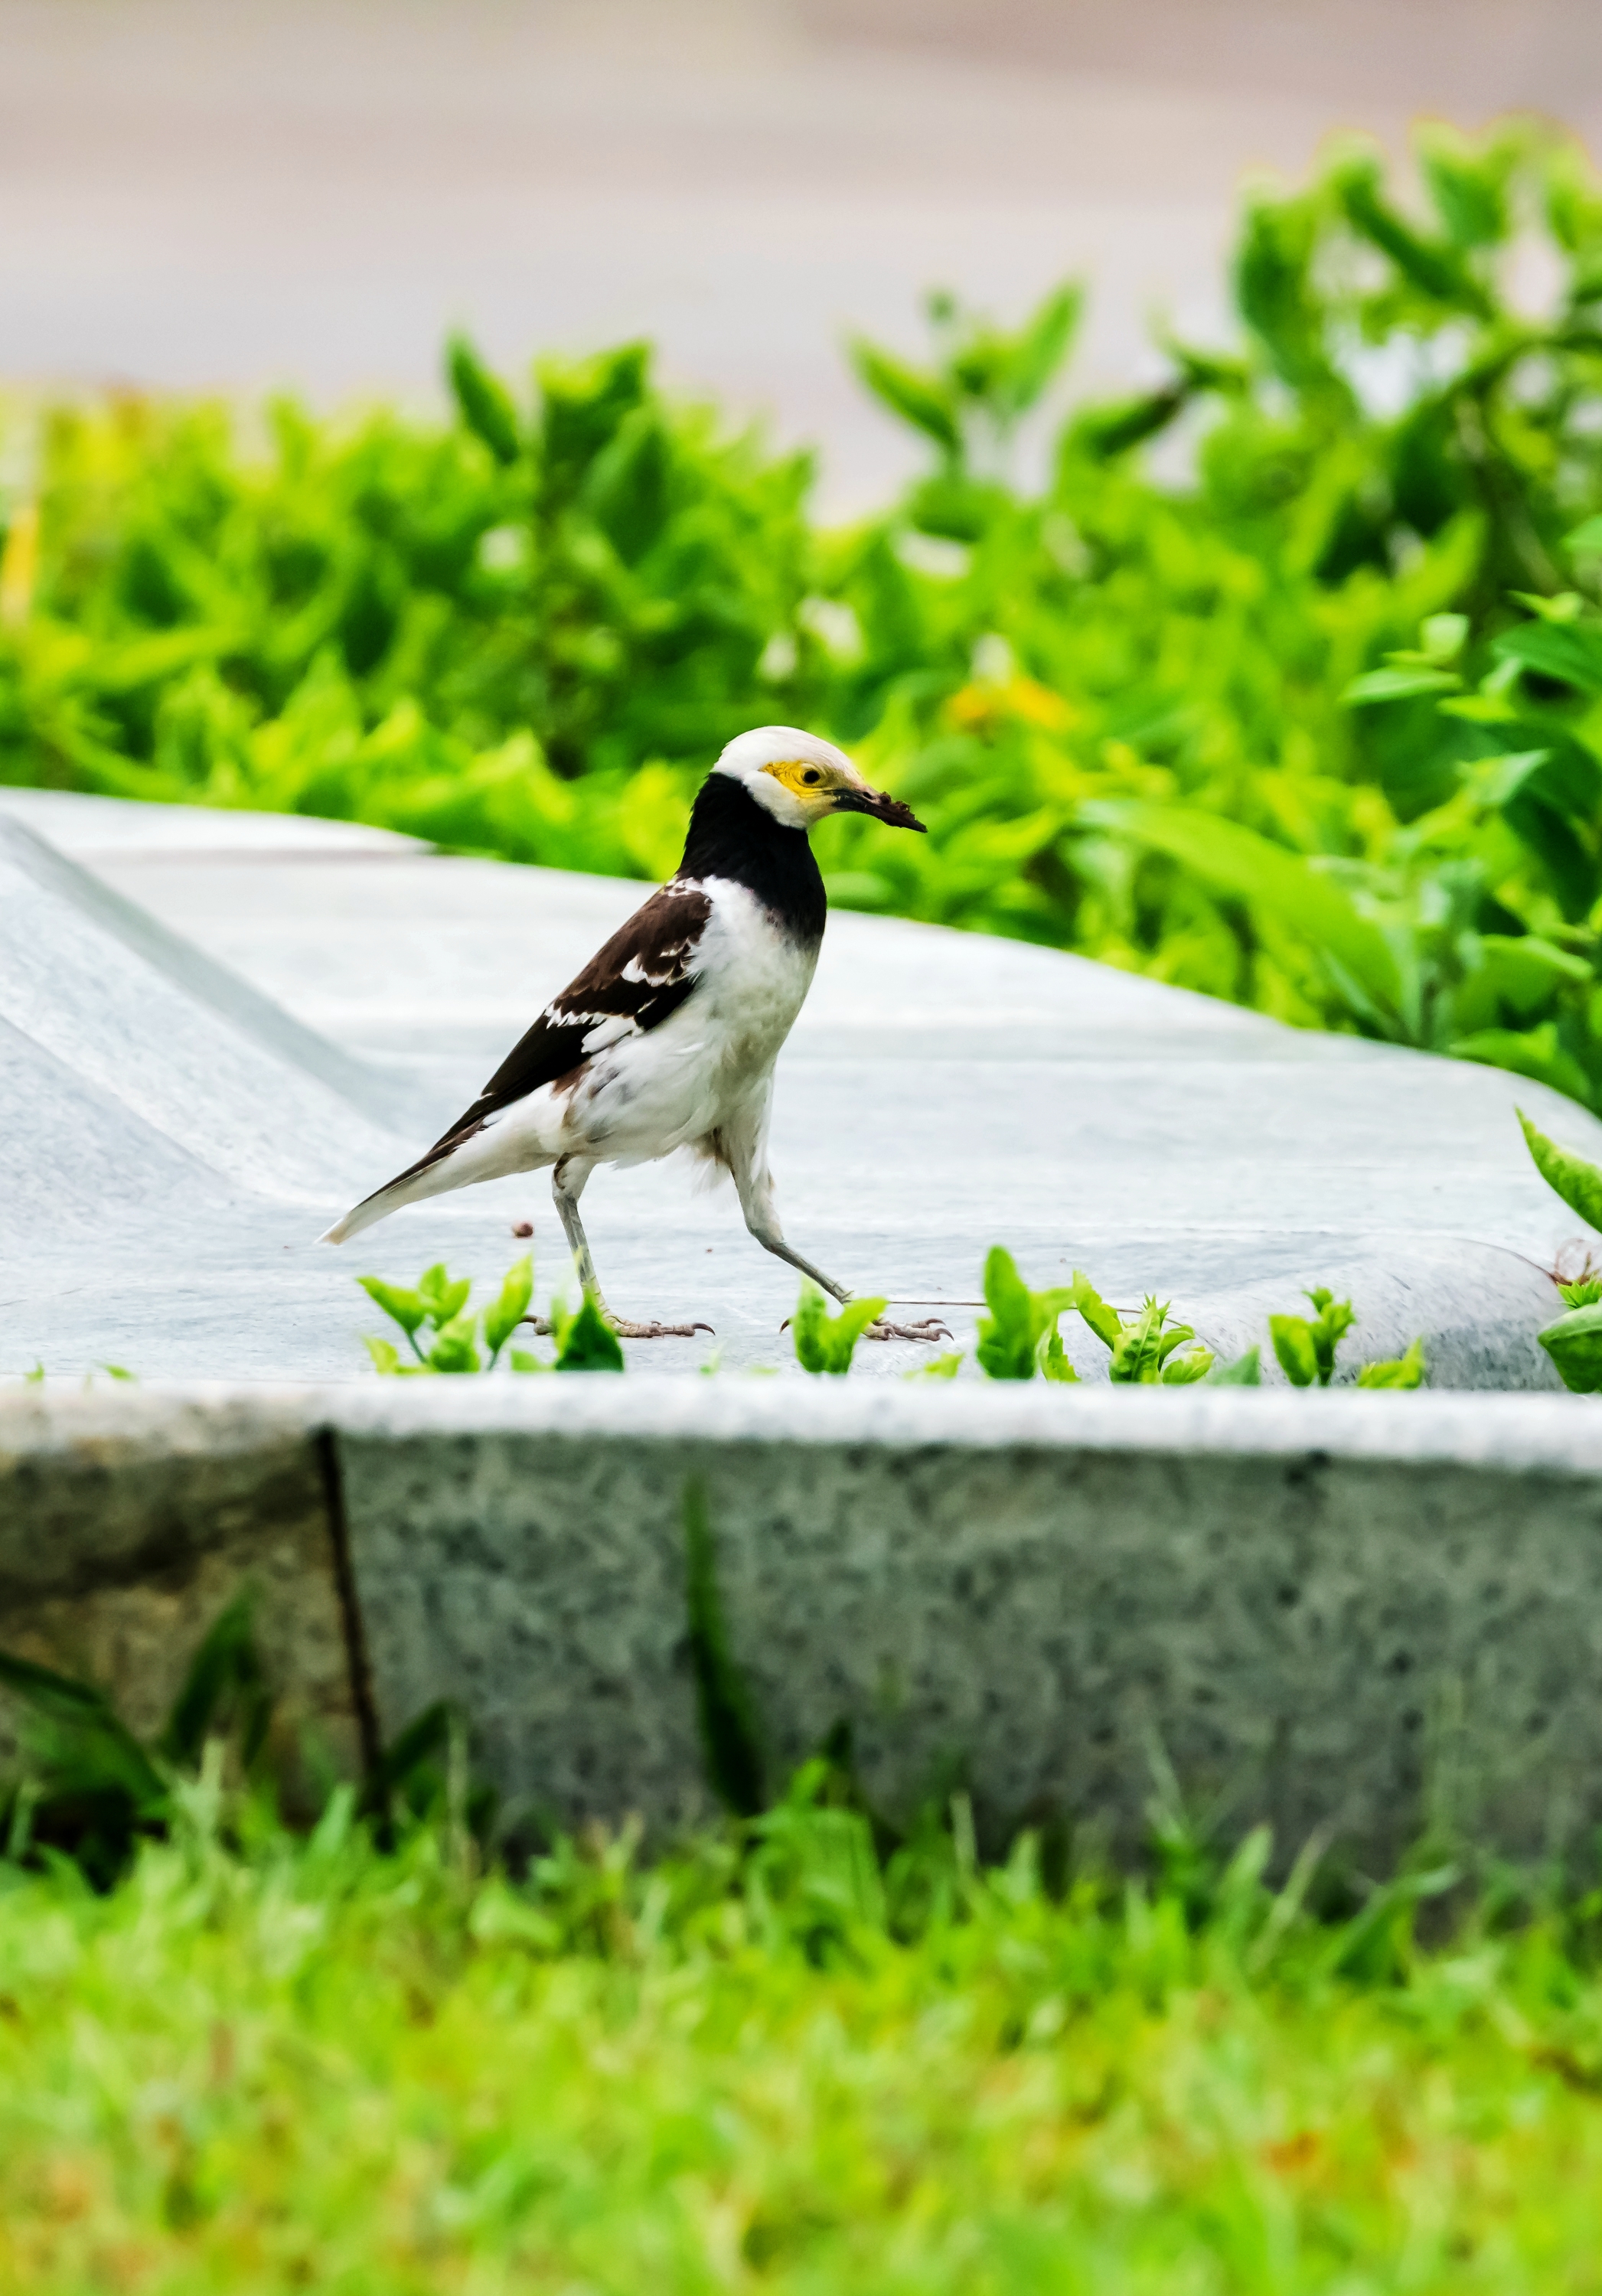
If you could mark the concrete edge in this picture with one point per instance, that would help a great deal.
(1520, 1433)
(1298, 1592)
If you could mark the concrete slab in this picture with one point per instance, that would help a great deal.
(1350, 1614)
(941, 1092)
(127, 1527)
(1362, 1615)
(86, 828)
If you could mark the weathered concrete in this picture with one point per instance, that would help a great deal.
(186, 1139)
(128, 1522)
(1354, 1613)
(150, 1036)
(1362, 1614)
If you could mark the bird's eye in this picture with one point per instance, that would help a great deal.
(812, 776)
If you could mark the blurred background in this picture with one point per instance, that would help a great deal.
(1216, 566)
(240, 193)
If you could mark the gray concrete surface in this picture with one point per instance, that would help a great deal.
(126, 1525)
(1362, 1616)
(309, 191)
(210, 1050)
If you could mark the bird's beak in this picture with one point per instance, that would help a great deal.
(882, 807)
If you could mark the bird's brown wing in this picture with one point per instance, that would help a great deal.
(641, 977)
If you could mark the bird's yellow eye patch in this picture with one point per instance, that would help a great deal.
(804, 780)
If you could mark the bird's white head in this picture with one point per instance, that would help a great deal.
(800, 779)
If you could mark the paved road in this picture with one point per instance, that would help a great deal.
(308, 192)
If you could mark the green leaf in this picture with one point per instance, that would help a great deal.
(453, 1350)
(1400, 1371)
(945, 1367)
(1006, 1336)
(1183, 1370)
(916, 398)
(1441, 637)
(1532, 1052)
(1333, 1318)
(386, 1358)
(731, 1736)
(1584, 1294)
(587, 1343)
(1276, 293)
(1106, 431)
(1435, 268)
(1142, 1351)
(824, 1344)
(409, 1310)
(1041, 345)
(85, 1718)
(1569, 652)
(1578, 1182)
(1245, 1371)
(225, 1673)
(1467, 186)
(1293, 1340)
(510, 1307)
(1397, 685)
(1574, 1343)
(442, 1299)
(1239, 861)
(1009, 1336)
(1087, 1299)
(1585, 540)
(522, 1360)
(1055, 1363)
(484, 403)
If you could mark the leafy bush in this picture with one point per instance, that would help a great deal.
(1314, 727)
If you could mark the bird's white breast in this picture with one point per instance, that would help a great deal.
(753, 980)
(652, 1092)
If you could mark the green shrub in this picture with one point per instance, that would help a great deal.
(1314, 727)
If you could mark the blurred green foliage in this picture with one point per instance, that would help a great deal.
(1305, 712)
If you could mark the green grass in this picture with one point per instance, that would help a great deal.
(769, 2062)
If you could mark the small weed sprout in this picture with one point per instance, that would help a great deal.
(437, 1308)
(1306, 1347)
(1020, 1336)
(824, 1344)
(1575, 1342)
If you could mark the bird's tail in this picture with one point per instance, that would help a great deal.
(457, 1162)
(408, 1187)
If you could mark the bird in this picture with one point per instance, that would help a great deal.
(668, 1036)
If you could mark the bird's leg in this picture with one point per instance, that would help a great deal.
(567, 1185)
(756, 1202)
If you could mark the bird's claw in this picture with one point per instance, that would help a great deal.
(627, 1331)
(543, 1329)
(928, 1328)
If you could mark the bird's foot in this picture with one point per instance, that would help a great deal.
(929, 1328)
(543, 1328)
(628, 1331)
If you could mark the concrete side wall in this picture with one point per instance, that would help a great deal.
(1356, 1613)
(129, 1520)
